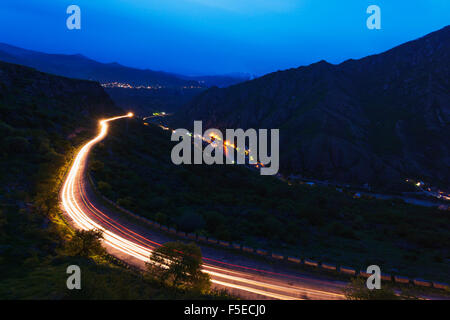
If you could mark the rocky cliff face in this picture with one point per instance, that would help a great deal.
(27, 89)
(375, 120)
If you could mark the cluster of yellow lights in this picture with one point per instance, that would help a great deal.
(232, 145)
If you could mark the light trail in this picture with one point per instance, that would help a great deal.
(253, 290)
(86, 216)
(73, 209)
(276, 286)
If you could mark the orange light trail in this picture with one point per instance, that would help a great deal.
(86, 216)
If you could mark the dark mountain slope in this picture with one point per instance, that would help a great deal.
(169, 93)
(375, 120)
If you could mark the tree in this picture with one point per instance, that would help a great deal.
(161, 217)
(46, 198)
(86, 243)
(97, 166)
(126, 202)
(179, 265)
(190, 221)
(214, 221)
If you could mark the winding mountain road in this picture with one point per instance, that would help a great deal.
(133, 243)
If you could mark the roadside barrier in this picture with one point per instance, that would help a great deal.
(261, 252)
(347, 270)
(192, 236)
(440, 285)
(311, 263)
(277, 256)
(329, 267)
(364, 274)
(421, 283)
(294, 260)
(386, 277)
(236, 246)
(400, 279)
(247, 249)
(213, 240)
(224, 243)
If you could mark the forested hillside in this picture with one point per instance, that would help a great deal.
(43, 119)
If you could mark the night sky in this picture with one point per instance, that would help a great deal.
(218, 36)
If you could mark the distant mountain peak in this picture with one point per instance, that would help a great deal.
(322, 63)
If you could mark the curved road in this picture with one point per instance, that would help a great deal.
(241, 276)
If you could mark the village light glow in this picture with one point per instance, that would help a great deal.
(217, 147)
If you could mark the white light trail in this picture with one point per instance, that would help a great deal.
(74, 199)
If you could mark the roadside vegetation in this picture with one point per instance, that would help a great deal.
(178, 265)
(357, 290)
(43, 119)
(86, 243)
(133, 168)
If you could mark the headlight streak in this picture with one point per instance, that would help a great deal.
(138, 246)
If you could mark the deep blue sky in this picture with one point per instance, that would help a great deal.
(218, 36)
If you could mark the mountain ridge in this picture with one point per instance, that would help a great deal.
(369, 120)
(90, 69)
(81, 67)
